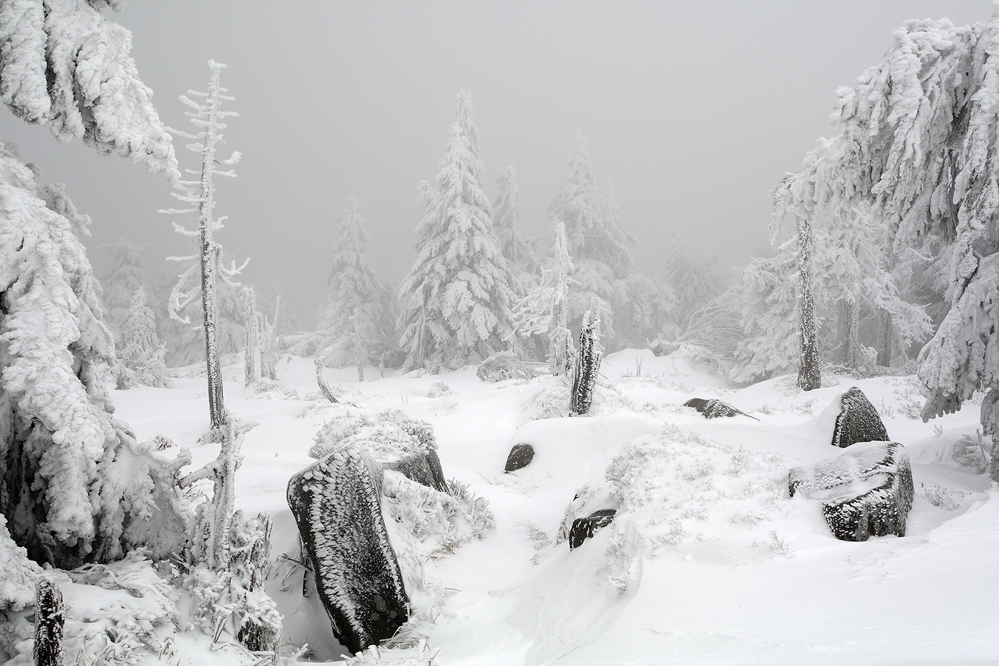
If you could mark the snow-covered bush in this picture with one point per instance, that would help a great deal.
(388, 436)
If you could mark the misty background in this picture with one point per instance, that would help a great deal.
(693, 110)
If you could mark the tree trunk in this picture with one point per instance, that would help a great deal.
(809, 377)
(252, 360)
(358, 346)
(216, 403)
(50, 617)
(587, 366)
(885, 339)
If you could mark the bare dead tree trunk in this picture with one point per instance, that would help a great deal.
(50, 617)
(252, 361)
(885, 339)
(323, 386)
(809, 377)
(358, 345)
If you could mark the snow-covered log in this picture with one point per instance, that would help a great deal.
(713, 408)
(858, 420)
(583, 528)
(50, 618)
(865, 491)
(337, 505)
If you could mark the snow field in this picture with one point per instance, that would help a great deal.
(708, 560)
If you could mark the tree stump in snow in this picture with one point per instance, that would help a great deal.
(858, 421)
(583, 528)
(587, 367)
(865, 491)
(712, 408)
(50, 616)
(337, 505)
(520, 457)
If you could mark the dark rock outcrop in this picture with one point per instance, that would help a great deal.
(520, 457)
(337, 505)
(858, 421)
(583, 528)
(865, 491)
(712, 408)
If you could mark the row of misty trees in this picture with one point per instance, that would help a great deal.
(481, 285)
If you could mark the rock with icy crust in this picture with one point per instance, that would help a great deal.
(583, 528)
(520, 457)
(858, 421)
(865, 491)
(337, 506)
(713, 408)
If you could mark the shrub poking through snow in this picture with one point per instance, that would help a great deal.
(713, 408)
(587, 366)
(865, 491)
(389, 436)
(505, 365)
(858, 421)
(680, 487)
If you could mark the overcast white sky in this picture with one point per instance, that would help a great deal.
(694, 109)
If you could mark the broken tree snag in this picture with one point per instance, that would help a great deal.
(865, 491)
(337, 506)
(323, 386)
(587, 366)
(50, 616)
(858, 421)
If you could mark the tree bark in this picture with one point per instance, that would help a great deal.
(50, 617)
(809, 377)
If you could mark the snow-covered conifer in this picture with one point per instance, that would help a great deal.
(63, 63)
(694, 280)
(456, 298)
(208, 117)
(141, 353)
(507, 221)
(544, 309)
(352, 316)
(120, 284)
(915, 139)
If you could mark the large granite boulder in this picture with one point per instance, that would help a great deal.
(858, 421)
(337, 506)
(713, 408)
(865, 491)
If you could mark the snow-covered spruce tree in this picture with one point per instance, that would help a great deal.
(141, 353)
(61, 487)
(544, 309)
(584, 376)
(915, 138)
(352, 314)
(63, 63)
(694, 280)
(59, 447)
(517, 247)
(124, 278)
(597, 242)
(208, 117)
(456, 298)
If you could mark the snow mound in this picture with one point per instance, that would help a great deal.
(17, 585)
(688, 492)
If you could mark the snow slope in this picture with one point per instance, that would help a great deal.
(711, 563)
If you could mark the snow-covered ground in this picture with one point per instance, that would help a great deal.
(712, 563)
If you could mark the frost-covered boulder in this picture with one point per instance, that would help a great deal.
(865, 491)
(583, 528)
(337, 506)
(858, 420)
(423, 467)
(713, 408)
(520, 457)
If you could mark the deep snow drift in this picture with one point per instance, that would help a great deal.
(708, 560)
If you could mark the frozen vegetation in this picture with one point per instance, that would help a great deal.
(535, 454)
